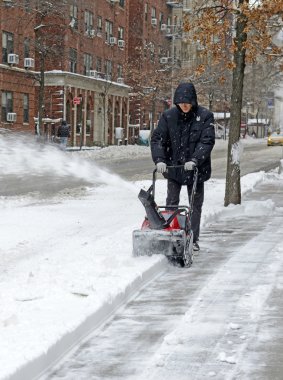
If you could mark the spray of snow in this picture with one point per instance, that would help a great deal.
(22, 157)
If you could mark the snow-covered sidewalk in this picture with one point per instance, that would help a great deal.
(65, 258)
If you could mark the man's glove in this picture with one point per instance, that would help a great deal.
(190, 165)
(161, 167)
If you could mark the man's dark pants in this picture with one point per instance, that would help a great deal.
(173, 198)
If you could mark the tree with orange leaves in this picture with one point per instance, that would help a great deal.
(235, 32)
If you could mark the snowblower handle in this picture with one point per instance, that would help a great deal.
(191, 200)
(154, 176)
(195, 170)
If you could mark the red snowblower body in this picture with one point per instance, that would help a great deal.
(166, 229)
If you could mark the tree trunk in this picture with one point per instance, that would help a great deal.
(233, 178)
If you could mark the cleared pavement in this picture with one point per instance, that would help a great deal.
(230, 299)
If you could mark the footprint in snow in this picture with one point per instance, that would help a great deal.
(227, 359)
(234, 326)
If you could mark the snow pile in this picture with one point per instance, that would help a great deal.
(114, 152)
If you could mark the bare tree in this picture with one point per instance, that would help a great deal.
(152, 87)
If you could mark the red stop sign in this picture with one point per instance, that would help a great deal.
(77, 100)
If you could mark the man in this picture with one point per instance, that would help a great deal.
(185, 136)
(63, 133)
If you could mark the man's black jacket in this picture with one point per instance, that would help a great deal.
(181, 137)
(63, 130)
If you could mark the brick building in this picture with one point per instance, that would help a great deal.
(149, 61)
(81, 48)
(85, 61)
(17, 89)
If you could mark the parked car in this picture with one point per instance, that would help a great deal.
(275, 138)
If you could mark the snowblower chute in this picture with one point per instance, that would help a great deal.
(166, 229)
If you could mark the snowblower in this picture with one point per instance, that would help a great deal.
(166, 229)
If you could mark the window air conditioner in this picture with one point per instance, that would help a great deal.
(164, 60)
(13, 59)
(91, 32)
(108, 77)
(119, 133)
(93, 73)
(163, 27)
(112, 40)
(73, 23)
(28, 62)
(121, 43)
(154, 21)
(11, 116)
(120, 80)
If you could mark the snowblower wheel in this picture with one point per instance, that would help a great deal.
(188, 252)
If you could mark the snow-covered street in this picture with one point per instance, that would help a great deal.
(67, 256)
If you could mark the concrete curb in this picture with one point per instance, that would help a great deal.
(37, 367)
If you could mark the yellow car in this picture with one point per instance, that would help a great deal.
(276, 138)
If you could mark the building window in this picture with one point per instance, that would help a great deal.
(145, 11)
(119, 71)
(26, 47)
(74, 16)
(26, 108)
(121, 33)
(108, 67)
(68, 112)
(108, 30)
(99, 65)
(80, 107)
(88, 119)
(7, 45)
(27, 5)
(160, 20)
(99, 25)
(153, 12)
(122, 3)
(152, 52)
(88, 21)
(73, 57)
(6, 104)
(87, 63)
